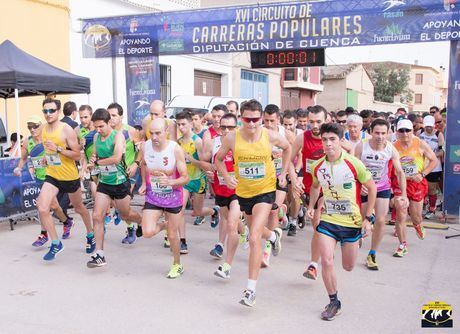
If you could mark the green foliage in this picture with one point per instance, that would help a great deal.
(390, 82)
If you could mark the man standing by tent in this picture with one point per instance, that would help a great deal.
(61, 152)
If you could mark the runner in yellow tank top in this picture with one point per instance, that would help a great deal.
(157, 110)
(61, 152)
(255, 182)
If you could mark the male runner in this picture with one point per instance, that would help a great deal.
(164, 176)
(376, 154)
(192, 146)
(413, 153)
(85, 134)
(255, 183)
(157, 110)
(355, 133)
(113, 183)
(34, 149)
(198, 122)
(302, 119)
(340, 176)
(61, 152)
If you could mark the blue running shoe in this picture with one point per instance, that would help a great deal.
(117, 219)
(66, 229)
(90, 244)
(41, 240)
(107, 219)
(199, 220)
(54, 250)
(183, 248)
(130, 236)
(217, 251)
(215, 218)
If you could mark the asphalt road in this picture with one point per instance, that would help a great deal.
(132, 295)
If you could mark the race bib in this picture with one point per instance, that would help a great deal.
(95, 171)
(278, 165)
(157, 188)
(108, 170)
(338, 207)
(38, 162)
(222, 180)
(53, 159)
(251, 170)
(376, 173)
(308, 164)
(410, 169)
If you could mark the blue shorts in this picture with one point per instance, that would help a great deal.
(380, 194)
(338, 232)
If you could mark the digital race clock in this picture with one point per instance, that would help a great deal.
(287, 58)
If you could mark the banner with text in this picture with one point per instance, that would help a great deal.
(142, 86)
(452, 158)
(275, 26)
(17, 194)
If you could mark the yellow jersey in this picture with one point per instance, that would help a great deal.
(412, 160)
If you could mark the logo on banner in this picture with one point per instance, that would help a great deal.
(141, 104)
(392, 33)
(97, 36)
(437, 314)
(457, 85)
(133, 25)
(393, 3)
(454, 153)
(456, 169)
(449, 4)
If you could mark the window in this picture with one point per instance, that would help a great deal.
(419, 79)
(418, 98)
(165, 83)
(289, 74)
(305, 74)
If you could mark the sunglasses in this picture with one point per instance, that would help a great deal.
(404, 130)
(438, 122)
(251, 119)
(33, 127)
(227, 127)
(49, 111)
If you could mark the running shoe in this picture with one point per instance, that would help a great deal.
(53, 251)
(276, 245)
(249, 298)
(66, 228)
(183, 248)
(139, 231)
(41, 240)
(223, 271)
(107, 219)
(215, 218)
(176, 271)
(311, 272)
(96, 261)
(401, 251)
(90, 244)
(371, 264)
(166, 243)
(244, 238)
(292, 231)
(331, 310)
(217, 251)
(130, 236)
(282, 217)
(199, 220)
(266, 255)
(117, 218)
(429, 215)
(420, 230)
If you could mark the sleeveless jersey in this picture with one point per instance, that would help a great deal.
(412, 160)
(113, 174)
(194, 173)
(254, 168)
(36, 153)
(277, 153)
(218, 185)
(58, 166)
(312, 150)
(165, 162)
(89, 144)
(341, 185)
(213, 132)
(377, 163)
(432, 141)
(130, 153)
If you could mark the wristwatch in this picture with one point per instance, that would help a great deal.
(423, 174)
(370, 219)
(59, 149)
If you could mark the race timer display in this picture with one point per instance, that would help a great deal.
(287, 58)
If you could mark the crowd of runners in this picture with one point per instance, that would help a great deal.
(268, 171)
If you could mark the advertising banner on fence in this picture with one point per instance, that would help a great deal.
(452, 158)
(275, 26)
(17, 194)
(142, 86)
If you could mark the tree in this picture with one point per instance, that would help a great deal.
(390, 82)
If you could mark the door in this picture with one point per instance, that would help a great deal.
(207, 84)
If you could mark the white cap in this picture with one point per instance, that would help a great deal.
(405, 124)
(428, 121)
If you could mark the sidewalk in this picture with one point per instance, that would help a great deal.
(132, 295)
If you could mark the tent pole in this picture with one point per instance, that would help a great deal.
(18, 142)
(6, 122)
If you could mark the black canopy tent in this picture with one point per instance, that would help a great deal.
(22, 74)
